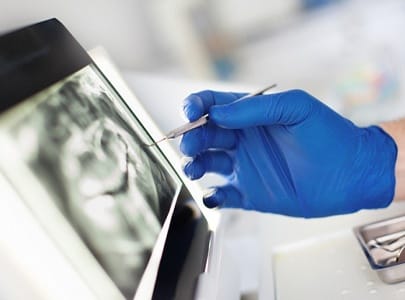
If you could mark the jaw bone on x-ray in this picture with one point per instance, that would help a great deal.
(87, 155)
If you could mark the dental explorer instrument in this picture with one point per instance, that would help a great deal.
(203, 120)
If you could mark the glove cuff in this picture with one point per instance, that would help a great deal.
(381, 176)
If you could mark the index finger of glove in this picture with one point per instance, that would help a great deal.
(198, 104)
(285, 108)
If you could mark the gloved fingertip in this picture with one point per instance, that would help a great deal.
(185, 148)
(193, 170)
(210, 202)
(193, 107)
(211, 199)
(191, 143)
(184, 161)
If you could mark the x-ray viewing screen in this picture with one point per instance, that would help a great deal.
(87, 151)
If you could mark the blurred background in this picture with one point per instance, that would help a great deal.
(349, 53)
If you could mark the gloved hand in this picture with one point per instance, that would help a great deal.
(288, 153)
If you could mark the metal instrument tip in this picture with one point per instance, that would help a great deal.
(156, 142)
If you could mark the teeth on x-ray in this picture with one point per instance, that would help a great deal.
(87, 155)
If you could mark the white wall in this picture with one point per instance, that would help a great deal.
(119, 26)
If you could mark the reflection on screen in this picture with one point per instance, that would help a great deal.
(89, 157)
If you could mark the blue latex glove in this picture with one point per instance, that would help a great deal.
(288, 153)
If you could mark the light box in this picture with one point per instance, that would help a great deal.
(76, 155)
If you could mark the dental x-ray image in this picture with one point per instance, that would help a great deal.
(86, 149)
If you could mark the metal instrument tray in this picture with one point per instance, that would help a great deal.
(376, 238)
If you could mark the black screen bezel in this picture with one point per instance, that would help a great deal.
(35, 57)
